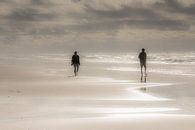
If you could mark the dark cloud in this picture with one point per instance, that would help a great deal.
(114, 26)
(165, 24)
(124, 12)
(6, 1)
(27, 20)
(76, 1)
(174, 6)
(56, 30)
(153, 16)
(29, 14)
(133, 17)
(42, 3)
(38, 2)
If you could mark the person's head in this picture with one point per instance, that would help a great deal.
(143, 50)
(75, 52)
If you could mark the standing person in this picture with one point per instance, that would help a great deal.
(75, 62)
(142, 57)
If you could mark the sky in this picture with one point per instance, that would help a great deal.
(96, 25)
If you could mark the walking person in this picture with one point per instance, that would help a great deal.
(75, 63)
(142, 57)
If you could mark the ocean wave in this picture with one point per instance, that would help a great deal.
(125, 58)
(162, 58)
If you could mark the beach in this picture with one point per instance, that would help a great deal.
(40, 92)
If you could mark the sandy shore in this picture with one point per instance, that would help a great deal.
(106, 99)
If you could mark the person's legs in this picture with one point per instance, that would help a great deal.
(141, 72)
(145, 69)
(145, 72)
(75, 69)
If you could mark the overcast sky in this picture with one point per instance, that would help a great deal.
(96, 25)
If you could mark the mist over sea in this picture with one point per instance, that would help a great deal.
(59, 64)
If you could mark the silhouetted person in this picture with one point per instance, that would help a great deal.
(142, 57)
(75, 62)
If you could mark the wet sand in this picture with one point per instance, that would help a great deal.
(105, 99)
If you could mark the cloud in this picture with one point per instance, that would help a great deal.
(174, 6)
(96, 21)
(134, 17)
(76, 1)
(29, 14)
(38, 2)
(93, 17)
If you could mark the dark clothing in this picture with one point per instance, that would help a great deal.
(75, 60)
(142, 58)
(76, 68)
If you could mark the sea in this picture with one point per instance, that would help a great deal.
(180, 63)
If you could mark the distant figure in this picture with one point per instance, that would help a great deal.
(75, 62)
(142, 57)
